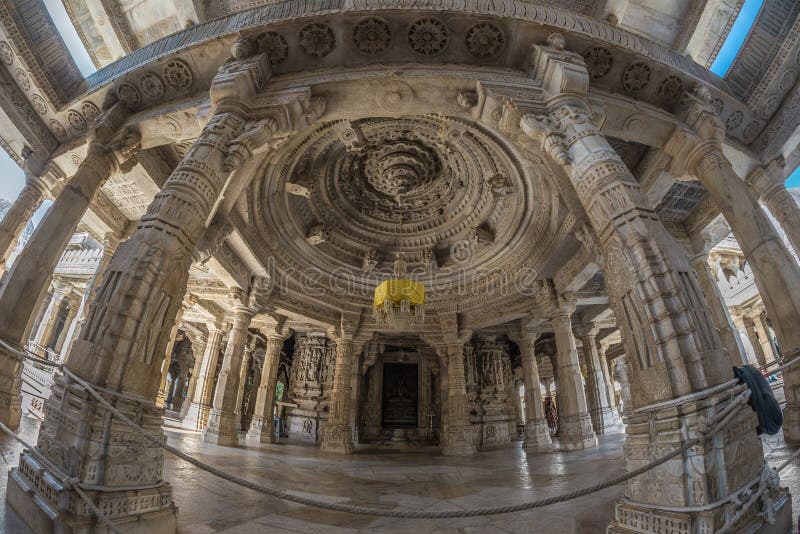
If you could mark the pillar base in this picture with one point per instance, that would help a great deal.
(10, 409)
(791, 424)
(196, 417)
(337, 438)
(47, 507)
(261, 431)
(630, 518)
(604, 419)
(575, 433)
(223, 428)
(459, 442)
(537, 436)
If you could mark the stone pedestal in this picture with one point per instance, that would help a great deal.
(223, 421)
(706, 474)
(261, 427)
(76, 428)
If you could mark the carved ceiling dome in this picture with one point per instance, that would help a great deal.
(442, 191)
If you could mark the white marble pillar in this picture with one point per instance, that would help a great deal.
(196, 416)
(50, 317)
(261, 427)
(338, 436)
(622, 370)
(173, 335)
(27, 280)
(122, 346)
(537, 431)
(601, 405)
(698, 152)
(458, 439)
(224, 419)
(18, 215)
(769, 185)
(728, 333)
(574, 423)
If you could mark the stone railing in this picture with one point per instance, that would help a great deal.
(79, 262)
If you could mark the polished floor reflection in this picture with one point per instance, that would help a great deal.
(411, 478)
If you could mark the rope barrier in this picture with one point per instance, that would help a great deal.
(724, 417)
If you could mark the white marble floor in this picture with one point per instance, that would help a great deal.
(420, 479)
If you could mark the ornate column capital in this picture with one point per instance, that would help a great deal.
(587, 331)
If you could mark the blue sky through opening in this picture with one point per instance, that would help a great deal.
(74, 44)
(741, 27)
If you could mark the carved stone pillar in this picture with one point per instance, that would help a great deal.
(728, 334)
(244, 371)
(122, 346)
(699, 153)
(50, 317)
(198, 351)
(497, 421)
(764, 337)
(537, 431)
(173, 334)
(18, 215)
(338, 436)
(26, 282)
(197, 415)
(769, 185)
(660, 310)
(574, 424)
(306, 421)
(458, 441)
(223, 422)
(622, 371)
(262, 425)
(72, 313)
(601, 405)
(755, 342)
(110, 242)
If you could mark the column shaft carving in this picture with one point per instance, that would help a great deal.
(574, 424)
(776, 272)
(262, 424)
(200, 407)
(666, 326)
(601, 406)
(122, 346)
(458, 440)
(537, 431)
(337, 436)
(727, 332)
(769, 185)
(17, 217)
(173, 334)
(223, 422)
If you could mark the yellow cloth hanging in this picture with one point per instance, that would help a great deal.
(397, 290)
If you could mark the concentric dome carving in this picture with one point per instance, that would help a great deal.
(441, 191)
(399, 167)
